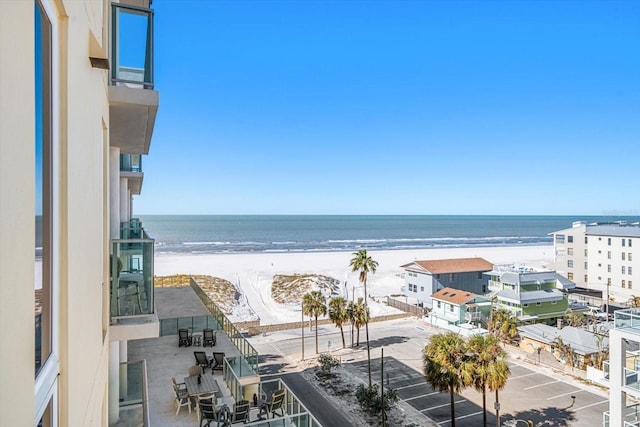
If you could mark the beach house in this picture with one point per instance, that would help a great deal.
(532, 296)
(77, 112)
(456, 307)
(423, 278)
(600, 256)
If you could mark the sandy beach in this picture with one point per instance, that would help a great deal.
(252, 273)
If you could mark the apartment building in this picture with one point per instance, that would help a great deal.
(600, 256)
(76, 103)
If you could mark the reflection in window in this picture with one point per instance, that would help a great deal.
(43, 135)
(47, 417)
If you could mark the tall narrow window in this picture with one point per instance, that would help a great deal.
(43, 185)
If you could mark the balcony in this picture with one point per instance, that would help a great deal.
(132, 295)
(495, 286)
(134, 402)
(131, 168)
(133, 104)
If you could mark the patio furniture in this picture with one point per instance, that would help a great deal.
(206, 398)
(177, 385)
(217, 361)
(207, 385)
(240, 412)
(183, 338)
(209, 337)
(271, 406)
(181, 397)
(209, 413)
(202, 360)
(195, 370)
(197, 339)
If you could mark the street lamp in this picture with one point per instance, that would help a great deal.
(514, 422)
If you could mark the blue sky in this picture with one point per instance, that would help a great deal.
(395, 107)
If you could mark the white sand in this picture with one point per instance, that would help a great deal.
(253, 273)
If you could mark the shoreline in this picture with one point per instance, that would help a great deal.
(252, 273)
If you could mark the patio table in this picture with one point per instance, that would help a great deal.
(207, 385)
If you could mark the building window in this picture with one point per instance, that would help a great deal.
(608, 254)
(439, 304)
(623, 241)
(585, 252)
(586, 265)
(629, 241)
(554, 302)
(525, 305)
(629, 270)
(629, 285)
(586, 239)
(623, 254)
(569, 239)
(570, 276)
(624, 284)
(569, 251)
(623, 269)
(451, 308)
(437, 276)
(479, 275)
(451, 277)
(609, 241)
(421, 288)
(570, 263)
(538, 303)
(629, 256)
(608, 268)
(586, 278)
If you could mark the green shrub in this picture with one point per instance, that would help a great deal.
(370, 401)
(328, 362)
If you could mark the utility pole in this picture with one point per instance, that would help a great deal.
(382, 385)
(302, 327)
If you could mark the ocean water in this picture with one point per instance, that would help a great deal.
(308, 233)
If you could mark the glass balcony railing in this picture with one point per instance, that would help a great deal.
(134, 407)
(131, 162)
(195, 324)
(628, 318)
(132, 277)
(132, 229)
(631, 379)
(132, 46)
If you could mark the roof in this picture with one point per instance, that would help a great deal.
(534, 277)
(453, 296)
(613, 230)
(454, 265)
(530, 297)
(581, 341)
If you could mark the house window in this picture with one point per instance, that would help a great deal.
(451, 277)
(609, 281)
(629, 241)
(569, 251)
(624, 284)
(525, 305)
(586, 252)
(609, 241)
(586, 278)
(570, 276)
(608, 268)
(586, 239)
(570, 263)
(479, 275)
(623, 256)
(629, 285)
(439, 304)
(451, 308)
(623, 269)
(421, 288)
(629, 270)
(570, 239)
(623, 241)
(538, 303)
(629, 256)
(586, 265)
(608, 254)
(554, 302)
(437, 276)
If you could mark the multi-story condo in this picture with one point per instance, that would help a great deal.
(532, 296)
(423, 278)
(600, 256)
(77, 110)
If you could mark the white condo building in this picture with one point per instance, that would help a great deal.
(601, 256)
(77, 110)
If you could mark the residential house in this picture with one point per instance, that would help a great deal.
(532, 296)
(423, 278)
(456, 307)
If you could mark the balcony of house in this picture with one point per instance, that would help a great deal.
(133, 313)
(131, 168)
(133, 104)
(495, 286)
(230, 367)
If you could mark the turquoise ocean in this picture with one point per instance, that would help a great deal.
(183, 234)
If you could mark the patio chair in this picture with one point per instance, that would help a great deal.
(277, 400)
(204, 398)
(217, 361)
(202, 360)
(208, 337)
(177, 385)
(184, 340)
(181, 397)
(195, 370)
(240, 412)
(209, 413)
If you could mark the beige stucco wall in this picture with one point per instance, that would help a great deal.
(82, 221)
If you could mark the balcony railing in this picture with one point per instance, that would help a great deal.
(130, 162)
(132, 46)
(131, 277)
(249, 354)
(495, 285)
(628, 318)
(132, 229)
(134, 406)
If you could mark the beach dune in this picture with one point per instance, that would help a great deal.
(252, 273)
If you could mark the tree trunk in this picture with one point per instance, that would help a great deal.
(453, 410)
(358, 338)
(344, 344)
(352, 326)
(366, 328)
(316, 334)
(484, 405)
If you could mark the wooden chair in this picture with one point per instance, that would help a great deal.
(209, 413)
(277, 401)
(181, 397)
(195, 370)
(240, 412)
(208, 337)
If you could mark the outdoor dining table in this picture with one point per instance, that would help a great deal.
(207, 385)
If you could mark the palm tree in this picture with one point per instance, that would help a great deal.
(359, 313)
(447, 366)
(565, 352)
(490, 366)
(338, 314)
(363, 263)
(574, 318)
(315, 304)
(635, 301)
(503, 324)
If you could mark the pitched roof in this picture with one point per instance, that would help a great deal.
(582, 342)
(453, 296)
(455, 265)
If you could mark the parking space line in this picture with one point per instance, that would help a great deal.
(461, 417)
(409, 386)
(541, 385)
(565, 394)
(593, 404)
(422, 395)
(524, 375)
(442, 406)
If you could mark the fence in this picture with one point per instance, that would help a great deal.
(407, 308)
